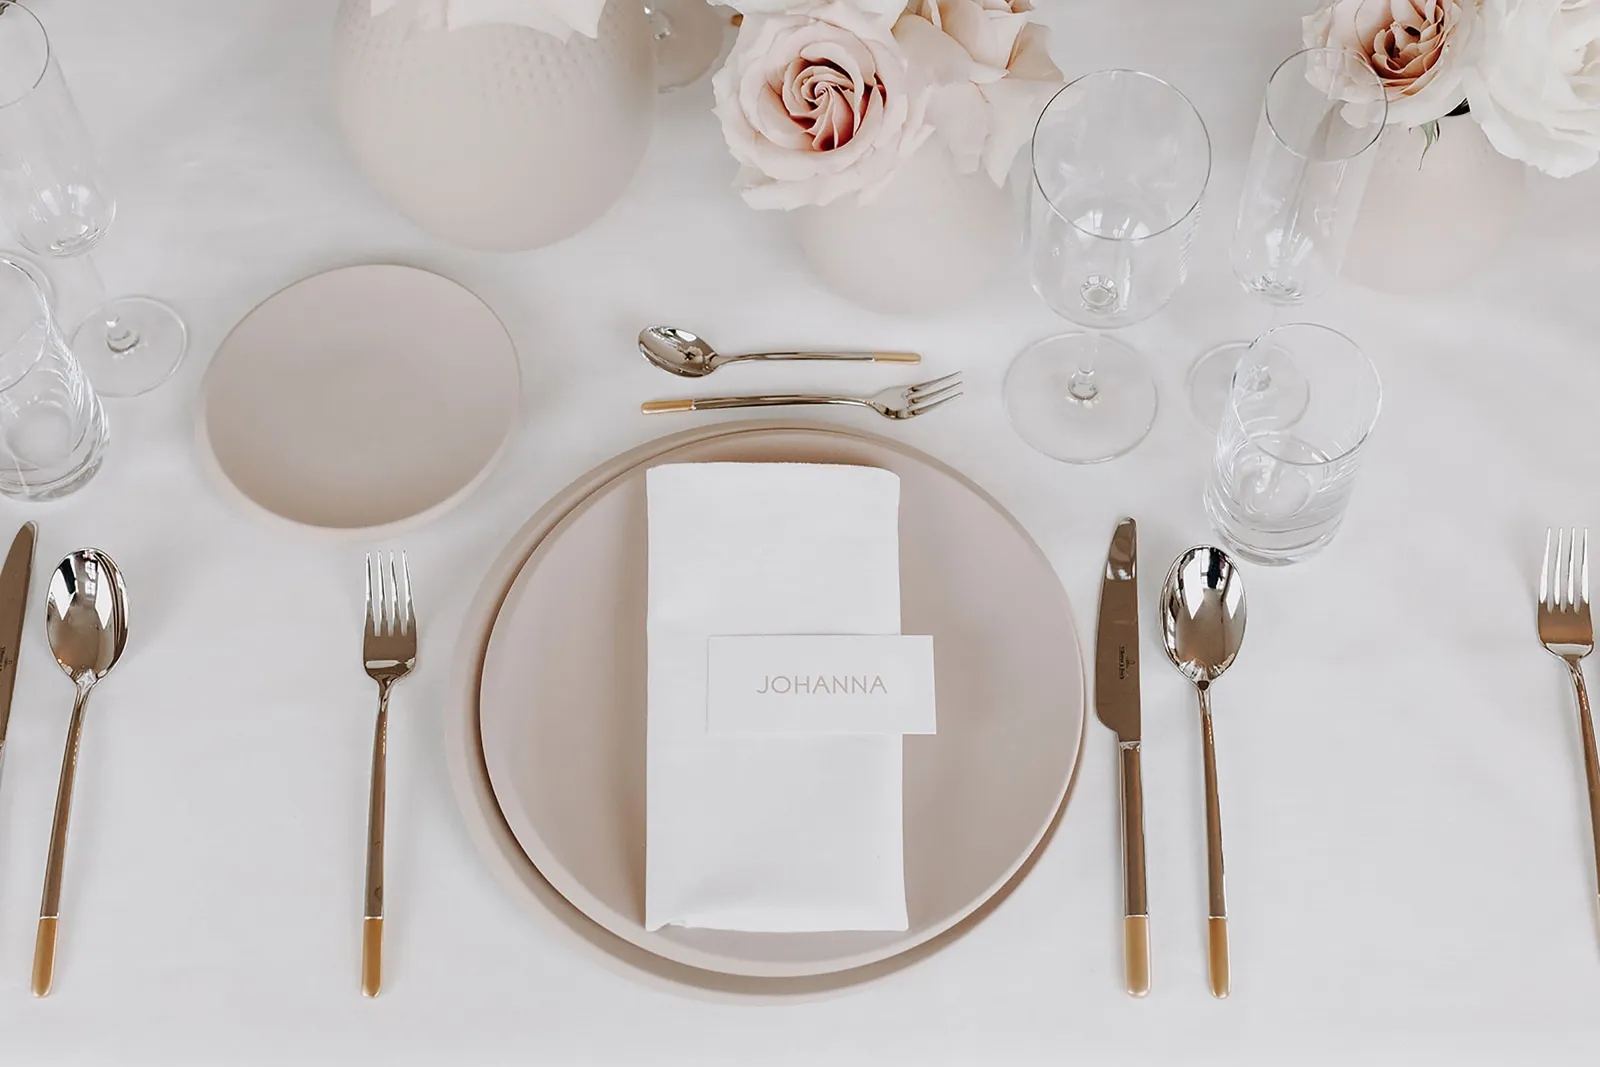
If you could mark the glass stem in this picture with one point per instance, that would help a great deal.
(1082, 386)
(120, 338)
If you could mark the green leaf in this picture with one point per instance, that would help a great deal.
(1430, 134)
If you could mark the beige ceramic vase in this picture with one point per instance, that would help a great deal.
(496, 136)
(1431, 216)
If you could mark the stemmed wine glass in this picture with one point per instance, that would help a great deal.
(1120, 164)
(1323, 112)
(56, 202)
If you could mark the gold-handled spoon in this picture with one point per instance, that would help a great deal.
(86, 618)
(688, 356)
(1202, 627)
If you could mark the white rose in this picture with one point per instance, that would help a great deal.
(1417, 48)
(817, 106)
(1535, 89)
(992, 72)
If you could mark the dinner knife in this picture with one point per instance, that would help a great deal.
(1116, 702)
(14, 577)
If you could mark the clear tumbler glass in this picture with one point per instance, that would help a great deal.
(1285, 462)
(52, 428)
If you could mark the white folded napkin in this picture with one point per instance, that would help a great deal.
(768, 834)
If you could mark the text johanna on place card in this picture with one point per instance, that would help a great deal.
(803, 685)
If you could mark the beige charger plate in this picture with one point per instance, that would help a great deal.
(552, 677)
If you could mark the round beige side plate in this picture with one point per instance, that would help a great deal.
(564, 746)
(361, 398)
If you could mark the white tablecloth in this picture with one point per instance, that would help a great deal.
(1408, 852)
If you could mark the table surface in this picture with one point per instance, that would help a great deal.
(1409, 868)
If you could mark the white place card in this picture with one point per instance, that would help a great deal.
(820, 685)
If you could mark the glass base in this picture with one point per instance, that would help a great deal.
(1211, 383)
(1061, 408)
(130, 346)
(1210, 379)
(689, 36)
(34, 270)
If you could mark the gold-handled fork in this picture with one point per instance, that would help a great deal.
(390, 652)
(900, 402)
(1567, 631)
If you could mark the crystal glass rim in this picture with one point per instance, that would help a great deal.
(6, 8)
(1366, 361)
(1377, 83)
(1205, 133)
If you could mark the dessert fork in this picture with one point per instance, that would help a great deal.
(899, 403)
(390, 652)
(1567, 631)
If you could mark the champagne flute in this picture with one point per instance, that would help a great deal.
(55, 199)
(1120, 164)
(1324, 110)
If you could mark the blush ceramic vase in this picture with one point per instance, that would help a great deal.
(1433, 215)
(498, 136)
(932, 239)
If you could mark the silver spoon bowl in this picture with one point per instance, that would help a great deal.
(1202, 627)
(86, 620)
(689, 356)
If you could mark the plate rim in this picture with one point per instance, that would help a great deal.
(493, 837)
(215, 473)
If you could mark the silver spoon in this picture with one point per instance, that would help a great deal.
(1202, 627)
(86, 618)
(688, 356)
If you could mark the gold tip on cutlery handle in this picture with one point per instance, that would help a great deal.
(896, 357)
(657, 407)
(1136, 949)
(371, 956)
(1218, 933)
(44, 957)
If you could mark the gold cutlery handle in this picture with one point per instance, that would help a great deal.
(44, 947)
(1591, 767)
(1217, 943)
(1136, 953)
(44, 957)
(1135, 906)
(718, 403)
(1217, 904)
(371, 956)
(372, 917)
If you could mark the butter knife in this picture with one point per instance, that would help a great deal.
(1116, 702)
(14, 578)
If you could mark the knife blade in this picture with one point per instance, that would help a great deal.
(14, 580)
(1116, 702)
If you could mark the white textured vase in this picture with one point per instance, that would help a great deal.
(931, 239)
(1431, 218)
(495, 136)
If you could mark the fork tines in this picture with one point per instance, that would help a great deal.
(1564, 577)
(925, 396)
(390, 611)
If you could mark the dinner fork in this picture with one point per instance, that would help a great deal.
(897, 403)
(1566, 629)
(390, 652)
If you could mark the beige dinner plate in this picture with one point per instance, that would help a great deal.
(561, 705)
(361, 398)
